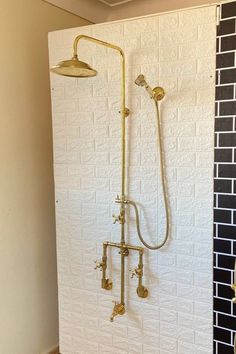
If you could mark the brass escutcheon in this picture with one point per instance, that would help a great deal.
(158, 93)
(142, 291)
(107, 284)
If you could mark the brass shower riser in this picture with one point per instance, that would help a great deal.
(106, 283)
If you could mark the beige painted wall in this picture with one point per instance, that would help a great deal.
(28, 296)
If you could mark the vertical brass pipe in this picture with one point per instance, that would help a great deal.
(104, 268)
(140, 266)
(124, 113)
(123, 167)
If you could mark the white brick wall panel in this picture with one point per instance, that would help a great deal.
(204, 66)
(201, 80)
(131, 43)
(202, 309)
(179, 130)
(134, 27)
(110, 350)
(201, 16)
(75, 119)
(180, 35)
(202, 279)
(89, 180)
(166, 52)
(77, 171)
(206, 30)
(168, 344)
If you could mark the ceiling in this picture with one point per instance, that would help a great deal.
(97, 11)
(114, 2)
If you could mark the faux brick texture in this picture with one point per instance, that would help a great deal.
(176, 51)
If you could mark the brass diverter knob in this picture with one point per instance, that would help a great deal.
(98, 265)
(234, 289)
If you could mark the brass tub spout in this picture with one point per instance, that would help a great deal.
(118, 309)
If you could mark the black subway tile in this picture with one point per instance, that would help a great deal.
(223, 155)
(224, 349)
(214, 231)
(221, 305)
(228, 10)
(222, 246)
(227, 321)
(224, 124)
(222, 335)
(228, 43)
(227, 231)
(227, 139)
(222, 276)
(226, 27)
(222, 185)
(224, 92)
(215, 201)
(225, 291)
(234, 187)
(228, 108)
(234, 217)
(225, 261)
(227, 171)
(227, 201)
(215, 170)
(222, 216)
(225, 60)
(216, 140)
(234, 247)
(228, 76)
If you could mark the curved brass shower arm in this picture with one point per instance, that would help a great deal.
(98, 41)
(124, 111)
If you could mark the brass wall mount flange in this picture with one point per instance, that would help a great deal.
(142, 291)
(107, 284)
(158, 93)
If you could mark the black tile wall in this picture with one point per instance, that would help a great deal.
(225, 182)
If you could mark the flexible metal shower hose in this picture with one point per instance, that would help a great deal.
(164, 190)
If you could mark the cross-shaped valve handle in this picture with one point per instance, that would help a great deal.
(98, 265)
(118, 218)
(135, 272)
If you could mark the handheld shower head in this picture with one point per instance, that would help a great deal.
(157, 93)
(140, 81)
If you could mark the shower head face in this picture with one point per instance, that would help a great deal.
(140, 81)
(74, 68)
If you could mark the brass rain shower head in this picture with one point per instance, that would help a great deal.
(74, 68)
